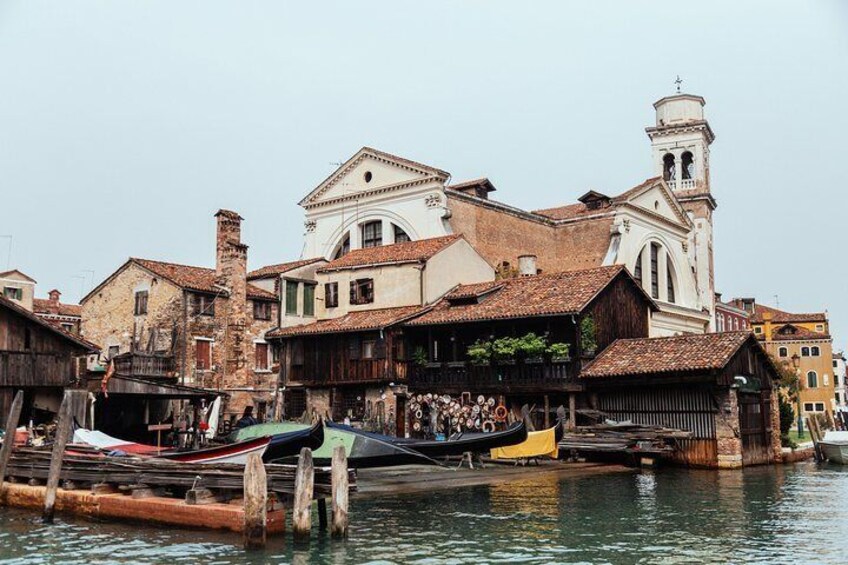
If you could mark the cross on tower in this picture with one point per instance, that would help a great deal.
(678, 82)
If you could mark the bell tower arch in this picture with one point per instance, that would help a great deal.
(680, 147)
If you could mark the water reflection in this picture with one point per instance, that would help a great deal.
(768, 515)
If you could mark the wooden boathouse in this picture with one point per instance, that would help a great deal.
(722, 387)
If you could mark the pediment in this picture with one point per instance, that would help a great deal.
(657, 198)
(370, 170)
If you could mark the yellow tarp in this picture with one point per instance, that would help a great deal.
(537, 444)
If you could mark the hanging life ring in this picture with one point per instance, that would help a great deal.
(488, 426)
(500, 413)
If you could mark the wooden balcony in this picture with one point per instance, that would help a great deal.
(145, 365)
(30, 369)
(351, 372)
(517, 377)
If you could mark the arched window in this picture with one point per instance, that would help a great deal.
(815, 351)
(637, 270)
(400, 235)
(720, 322)
(344, 247)
(812, 380)
(783, 352)
(687, 168)
(668, 167)
(805, 352)
(669, 281)
(655, 270)
(372, 234)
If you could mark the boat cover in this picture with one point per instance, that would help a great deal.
(537, 444)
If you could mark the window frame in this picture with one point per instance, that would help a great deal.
(309, 300)
(783, 352)
(655, 270)
(371, 234)
(399, 234)
(17, 292)
(262, 310)
(814, 381)
(290, 298)
(261, 363)
(202, 305)
(362, 291)
(140, 303)
(207, 365)
(815, 351)
(331, 294)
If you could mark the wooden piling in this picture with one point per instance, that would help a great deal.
(572, 411)
(63, 431)
(547, 412)
(340, 492)
(255, 503)
(9, 440)
(303, 487)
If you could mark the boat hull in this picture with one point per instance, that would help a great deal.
(235, 453)
(836, 452)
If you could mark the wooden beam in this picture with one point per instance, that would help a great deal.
(255, 503)
(340, 492)
(63, 431)
(303, 486)
(9, 440)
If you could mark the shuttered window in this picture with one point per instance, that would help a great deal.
(203, 354)
(362, 291)
(291, 298)
(331, 295)
(140, 303)
(309, 300)
(261, 357)
(261, 310)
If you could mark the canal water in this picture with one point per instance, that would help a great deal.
(794, 514)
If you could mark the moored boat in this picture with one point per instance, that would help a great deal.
(456, 445)
(835, 447)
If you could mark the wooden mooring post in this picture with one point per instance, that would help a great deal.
(303, 487)
(9, 440)
(63, 431)
(339, 492)
(255, 503)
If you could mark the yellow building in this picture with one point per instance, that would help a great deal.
(803, 342)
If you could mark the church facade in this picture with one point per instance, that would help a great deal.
(661, 229)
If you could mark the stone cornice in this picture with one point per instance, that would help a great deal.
(373, 192)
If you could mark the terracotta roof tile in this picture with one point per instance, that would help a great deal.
(703, 352)
(579, 209)
(20, 310)
(789, 332)
(779, 316)
(280, 268)
(47, 306)
(200, 279)
(541, 295)
(407, 252)
(360, 320)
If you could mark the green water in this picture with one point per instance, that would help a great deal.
(795, 514)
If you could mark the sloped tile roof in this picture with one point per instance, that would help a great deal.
(571, 211)
(562, 293)
(407, 252)
(21, 311)
(779, 316)
(280, 268)
(47, 306)
(360, 320)
(789, 332)
(688, 353)
(199, 279)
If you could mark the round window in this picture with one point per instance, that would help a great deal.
(368, 176)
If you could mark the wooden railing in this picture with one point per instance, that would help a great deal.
(505, 377)
(354, 371)
(145, 365)
(26, 368)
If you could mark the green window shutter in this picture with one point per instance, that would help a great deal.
(309, 300)
(291, 298)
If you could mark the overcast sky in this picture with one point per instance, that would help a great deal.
(125, 125)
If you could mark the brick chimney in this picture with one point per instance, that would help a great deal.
(231, 320)
(54, 296)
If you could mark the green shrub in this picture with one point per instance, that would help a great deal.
(559, 350)
(480, 352)
(587, 334)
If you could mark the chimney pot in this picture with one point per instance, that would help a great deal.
(527, 265)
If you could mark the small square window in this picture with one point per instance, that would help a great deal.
(13, 293)
(362, 291)
(261, 310)
(368, 349)
(203, 305)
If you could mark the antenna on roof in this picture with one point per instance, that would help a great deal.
(776, 301)
(678, 82)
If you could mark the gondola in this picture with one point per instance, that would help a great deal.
(457, 444)
(290, 443)
(363, 451)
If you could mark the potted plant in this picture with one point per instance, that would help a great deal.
(532, 347)
(480, 352)
(559, 352)
(588, 344)
(504, 350)
(419, 356)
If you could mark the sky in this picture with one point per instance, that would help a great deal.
(124, 126)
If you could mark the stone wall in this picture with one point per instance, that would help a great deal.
(728, 435)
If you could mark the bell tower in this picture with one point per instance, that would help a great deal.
(680, 146)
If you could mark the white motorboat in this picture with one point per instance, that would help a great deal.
(835, 447)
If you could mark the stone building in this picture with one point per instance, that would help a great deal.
(840, 374)
(802, 342)
(193, 325)
(661, 229)
(18, 288)
(730, 318)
